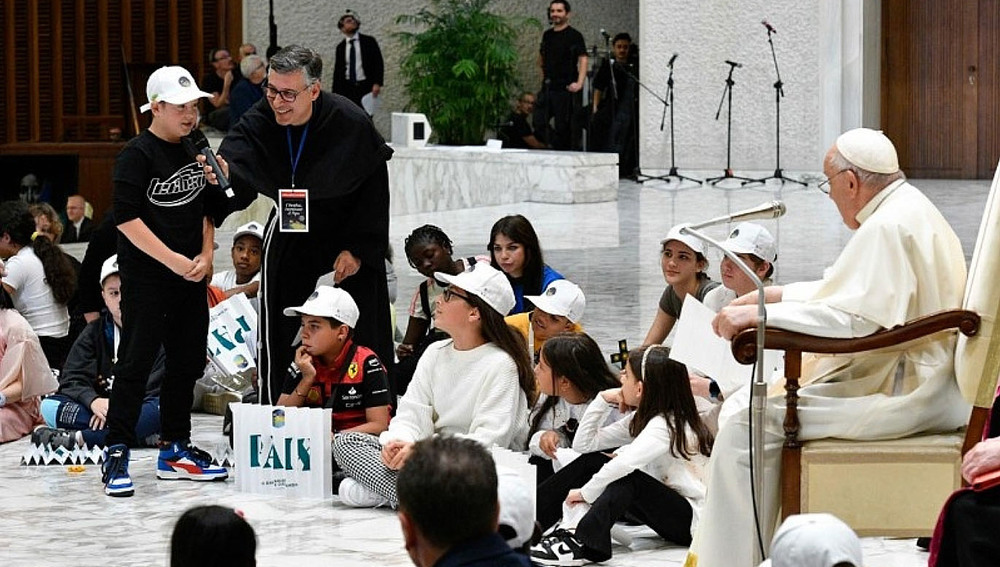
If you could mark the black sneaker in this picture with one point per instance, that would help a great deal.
(560, 548)
(54, 438)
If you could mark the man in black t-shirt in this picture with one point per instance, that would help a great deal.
(218, 83)
(563, 60)
(517, 132)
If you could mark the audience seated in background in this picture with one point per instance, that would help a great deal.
(24, 374)
(518, 132)
(79, 228)
(77, 414)
(476, 384)
(246, 253)
(557, 310)
(39, 279)
(449, 508)
(514, 248)
(213, 535)
(814, 540)
(47, 221)
(218, 81)
(250, 89)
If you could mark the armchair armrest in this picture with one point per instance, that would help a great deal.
(745, 342)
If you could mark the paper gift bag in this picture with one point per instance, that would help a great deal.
(283, 450)
(232, 330)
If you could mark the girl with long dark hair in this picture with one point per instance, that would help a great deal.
(514, 249)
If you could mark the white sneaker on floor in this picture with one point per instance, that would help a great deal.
(356, 496)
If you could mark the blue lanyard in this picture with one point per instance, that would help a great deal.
(302, 143)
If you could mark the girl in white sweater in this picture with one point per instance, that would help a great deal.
(655, 473)
(476, 384)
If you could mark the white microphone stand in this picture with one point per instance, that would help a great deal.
(758, 391)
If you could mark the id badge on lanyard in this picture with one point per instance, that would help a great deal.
(293, 204)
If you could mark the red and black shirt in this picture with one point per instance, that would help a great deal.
(354, 382)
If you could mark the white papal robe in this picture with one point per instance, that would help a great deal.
(904, 261)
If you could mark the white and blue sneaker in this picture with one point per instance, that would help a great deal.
(183, 461)
(114, 471)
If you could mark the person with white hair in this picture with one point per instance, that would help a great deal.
(903, 261)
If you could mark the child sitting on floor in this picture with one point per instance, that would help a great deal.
(77, 414)
(331, 370)
(558, 309)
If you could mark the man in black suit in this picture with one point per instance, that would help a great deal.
(358, 68)
(79, 228)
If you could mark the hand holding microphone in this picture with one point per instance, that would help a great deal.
(196, 144)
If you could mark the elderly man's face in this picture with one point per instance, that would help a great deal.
(844, 190)
(282, 86)
(74, 209)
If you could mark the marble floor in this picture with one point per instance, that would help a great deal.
(56, 517)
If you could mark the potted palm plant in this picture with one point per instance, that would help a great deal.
(461, 66)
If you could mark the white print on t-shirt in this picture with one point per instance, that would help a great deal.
(179, 189)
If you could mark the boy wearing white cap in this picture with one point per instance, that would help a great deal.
(331, 370)
(167, 215)
(558, 309)
(77, 414)
(475, 384)
(904, 261)
(245, 276)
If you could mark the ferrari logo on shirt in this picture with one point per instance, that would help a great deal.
(352, 370)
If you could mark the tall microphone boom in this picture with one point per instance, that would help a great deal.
(734, 64)
(672, 59)
(196, 143)
(770, 210)
(769, 27)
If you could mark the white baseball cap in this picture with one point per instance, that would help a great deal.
(814, 540)
(171, 84)
(869, 149)
(690, 240)
(251, 227)
(750, 238)
(109, 267)
(486, 283)
(331, 302)
(517, 507)
(561, 297)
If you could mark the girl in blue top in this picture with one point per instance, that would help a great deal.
(515, 250)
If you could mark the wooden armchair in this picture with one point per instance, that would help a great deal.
(896, 487)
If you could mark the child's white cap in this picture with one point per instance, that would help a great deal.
(486, 283)
(563, 298)
(251, 227)
(171, 84)
(330, 302)
(109, 267)
(690, 240)
(750, 238)
(517, 507)
(814, 540)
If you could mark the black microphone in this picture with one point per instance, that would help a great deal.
(734, 64)
(672, 59)
(196, 143)
(770, 28)
(605, 35)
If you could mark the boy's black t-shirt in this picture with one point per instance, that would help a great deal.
(560, 51)
(156, 181)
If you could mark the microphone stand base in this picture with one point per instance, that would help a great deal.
(728, 174)
(778, 174)
(673, 174)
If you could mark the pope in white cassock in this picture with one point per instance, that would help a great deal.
(903, 261)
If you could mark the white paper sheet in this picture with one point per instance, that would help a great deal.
(697, 346)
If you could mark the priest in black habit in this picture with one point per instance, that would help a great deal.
(319, 157)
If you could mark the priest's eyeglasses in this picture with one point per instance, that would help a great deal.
(287, 95)
(825, 186)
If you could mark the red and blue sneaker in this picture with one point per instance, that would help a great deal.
(181, 460)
